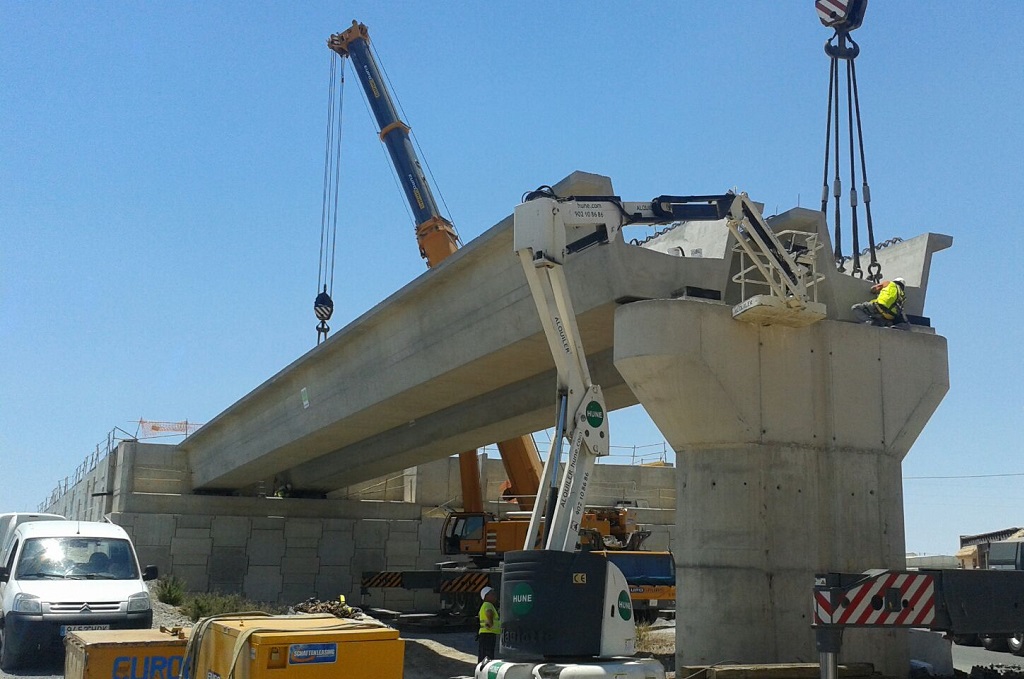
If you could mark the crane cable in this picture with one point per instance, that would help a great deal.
(323, 305)
(847, 53)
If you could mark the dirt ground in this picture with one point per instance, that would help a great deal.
(438, 655)
(448, 654)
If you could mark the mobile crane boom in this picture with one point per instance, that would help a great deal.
(437, 240)
(435, 234)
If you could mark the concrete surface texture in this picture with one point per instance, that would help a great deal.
(285, 550)
(788, 445)
(453, 361)
(456, 359)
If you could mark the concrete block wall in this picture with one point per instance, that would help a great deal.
(286, 560)
(437, 484)
(285, 550)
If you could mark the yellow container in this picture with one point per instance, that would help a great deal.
(124, 654)
(299, 647)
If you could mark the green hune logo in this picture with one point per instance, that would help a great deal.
(595, 414)
(625, 605)
(522, 599)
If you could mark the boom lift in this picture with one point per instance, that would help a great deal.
(481, 536)
(549, 590)
(437, 241)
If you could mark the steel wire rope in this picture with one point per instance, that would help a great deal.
(337, 172)
(874, 268)
(828, 136)
(416, 141)
(837, 190)
(325, 203)
(857, 271)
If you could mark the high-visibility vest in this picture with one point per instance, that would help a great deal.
(484, 629)
(890, 301)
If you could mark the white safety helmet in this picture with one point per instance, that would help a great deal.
(900, 280)
(485, 591)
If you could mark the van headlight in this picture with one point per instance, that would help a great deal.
(138, 602)
(27, 603)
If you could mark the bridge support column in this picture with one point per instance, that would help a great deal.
(789, 444)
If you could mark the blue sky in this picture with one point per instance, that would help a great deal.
(161, 173)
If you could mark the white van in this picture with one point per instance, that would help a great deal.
(8, 522)
(61, 576)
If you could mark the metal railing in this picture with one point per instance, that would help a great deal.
(91, 461)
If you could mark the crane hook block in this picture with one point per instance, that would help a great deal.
(842, 15)
(323, 306)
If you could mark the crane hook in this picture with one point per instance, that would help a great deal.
(842, 50)
(323, 307)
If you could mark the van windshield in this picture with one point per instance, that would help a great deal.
(76, 558)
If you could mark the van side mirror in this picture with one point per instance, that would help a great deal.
(150, 573)
(4, 574)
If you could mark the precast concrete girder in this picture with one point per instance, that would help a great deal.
(464, 335)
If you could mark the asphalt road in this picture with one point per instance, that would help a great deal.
(964, 658)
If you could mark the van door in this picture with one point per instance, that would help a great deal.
(8, 560)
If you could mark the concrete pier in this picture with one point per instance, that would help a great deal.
(788, 445)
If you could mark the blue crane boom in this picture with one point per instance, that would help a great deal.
(435, 234)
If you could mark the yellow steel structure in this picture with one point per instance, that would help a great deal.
(112, 654)
(298, 647)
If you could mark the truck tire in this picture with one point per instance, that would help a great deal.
(966, 639)
(1016, 643)
(994, 643)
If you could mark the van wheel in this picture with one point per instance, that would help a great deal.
(993, 643)
(966, 639)
(1016, 643)
(8, 661)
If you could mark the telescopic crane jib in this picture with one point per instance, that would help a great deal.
(435, 234)
(437, 240)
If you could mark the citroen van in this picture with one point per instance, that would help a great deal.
(8, 522)
(62, 576)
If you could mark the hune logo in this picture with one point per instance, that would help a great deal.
(522, 598)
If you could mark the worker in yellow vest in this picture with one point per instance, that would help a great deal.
(885, 309)
(490, 626)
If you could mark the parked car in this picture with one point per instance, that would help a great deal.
(61, 576)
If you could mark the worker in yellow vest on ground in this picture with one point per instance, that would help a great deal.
(490, 625)
(887, 308)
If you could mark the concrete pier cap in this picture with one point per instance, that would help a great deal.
(789, 444)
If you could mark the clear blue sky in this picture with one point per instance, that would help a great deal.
(161, 172)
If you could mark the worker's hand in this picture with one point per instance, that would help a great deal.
(877, 287)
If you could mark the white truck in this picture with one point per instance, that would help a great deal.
(61, 576)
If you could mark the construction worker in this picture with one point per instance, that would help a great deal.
(885, 309)
(490, 626)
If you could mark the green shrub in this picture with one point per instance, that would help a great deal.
(205, 604)
(170, 590)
